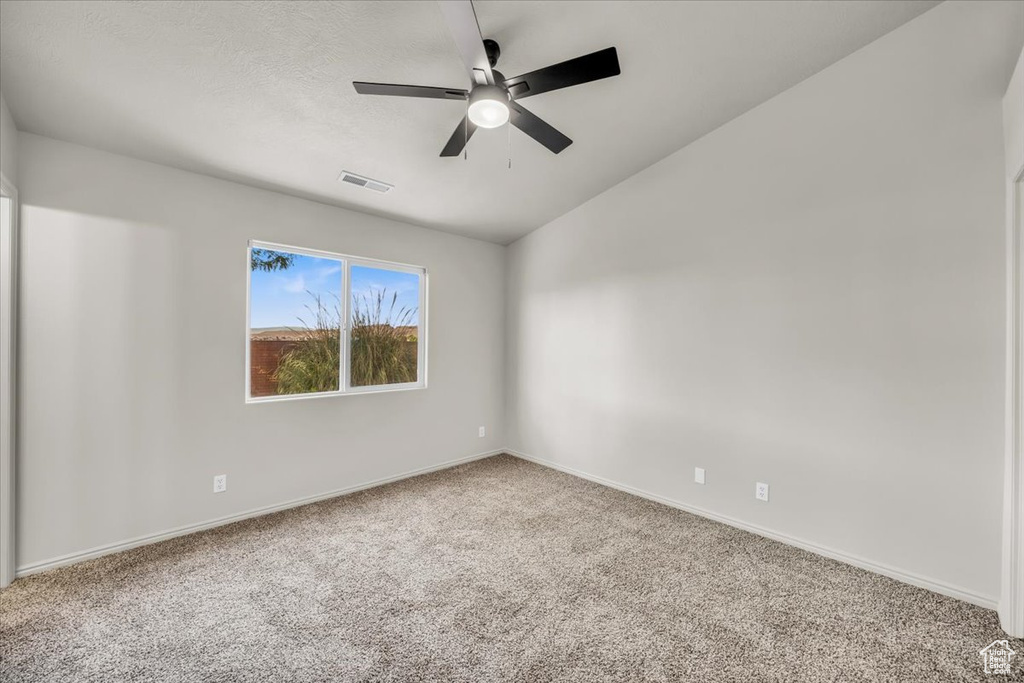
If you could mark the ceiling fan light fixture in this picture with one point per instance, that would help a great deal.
(491, 95)
(488, 106)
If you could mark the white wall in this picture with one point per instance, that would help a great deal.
(1013, 119)
(8, 334)
(1011, 607)
(810, 296)
(132, 353)
(8, 144)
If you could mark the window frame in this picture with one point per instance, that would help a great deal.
(345, 387)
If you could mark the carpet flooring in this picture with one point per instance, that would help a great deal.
(497, 570)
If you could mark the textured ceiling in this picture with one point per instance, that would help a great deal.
(261, 92)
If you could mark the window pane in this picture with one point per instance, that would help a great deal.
(294, 323)
(385, 326)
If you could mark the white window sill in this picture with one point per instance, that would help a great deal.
(354, 391)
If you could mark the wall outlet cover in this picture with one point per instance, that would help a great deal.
(761, 492)
(483, 432)
(220, 483)
(698, 475)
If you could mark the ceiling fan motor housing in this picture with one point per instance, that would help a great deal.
(493, 51)
(488, 92)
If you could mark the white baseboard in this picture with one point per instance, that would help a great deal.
(856, 561)
(99, 551)
(885, 570)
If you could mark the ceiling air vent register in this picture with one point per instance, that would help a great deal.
(364, 182)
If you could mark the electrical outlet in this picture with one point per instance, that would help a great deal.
(761, 492)
(698, 475)
(483, 432)
(220, 483)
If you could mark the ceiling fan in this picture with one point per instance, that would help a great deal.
(494, 99)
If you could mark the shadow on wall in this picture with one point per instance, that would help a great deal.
(98, 304)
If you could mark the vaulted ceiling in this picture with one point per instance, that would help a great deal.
(261, 92)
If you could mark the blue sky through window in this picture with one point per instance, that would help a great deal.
(367, 282)
(280, 298)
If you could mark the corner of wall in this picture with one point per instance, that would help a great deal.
(1013, 115)
(8, 144)
(1011, 598)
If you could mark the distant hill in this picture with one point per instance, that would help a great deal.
(298, 333)
(277, 333)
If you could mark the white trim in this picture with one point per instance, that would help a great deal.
(345, 387)
(319, 253)
(910, 578)
(927, 583)
(356, 391)
(345, 369)
(248, 320)
(8, 386)
(421, 334)
(110, 548)
(1011, 607)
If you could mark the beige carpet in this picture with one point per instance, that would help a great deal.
(498, 570)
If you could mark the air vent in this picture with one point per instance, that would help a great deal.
(362, 181)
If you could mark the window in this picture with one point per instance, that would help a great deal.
(327, 324)
(384, 344)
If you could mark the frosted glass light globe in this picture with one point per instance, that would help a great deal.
(488, 106)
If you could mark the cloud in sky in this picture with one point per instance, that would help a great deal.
(294, 285)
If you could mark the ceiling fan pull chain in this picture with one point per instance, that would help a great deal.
(465, 137)
(509, 126)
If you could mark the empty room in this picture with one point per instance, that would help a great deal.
(526, 341)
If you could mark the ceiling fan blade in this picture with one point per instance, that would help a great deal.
(461, 19)
(595, 66)
(463, 132)
(410, 91)
(537, 128)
